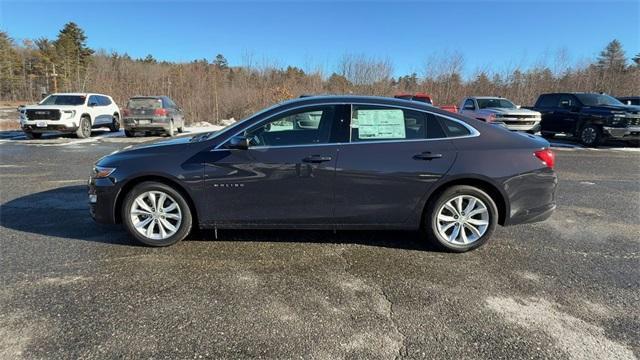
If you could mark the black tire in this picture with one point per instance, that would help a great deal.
(590, 135)
(186, 222)
(84, 128)
(431, 218)
(31, 135)
(115, 123)
(170, 130)
(181, 129)
(129, 133)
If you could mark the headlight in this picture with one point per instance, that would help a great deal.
(499, 115)
(100, 172)
(69, 114)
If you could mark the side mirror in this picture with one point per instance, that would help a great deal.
(238, 142)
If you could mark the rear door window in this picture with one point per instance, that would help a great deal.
(380, 123)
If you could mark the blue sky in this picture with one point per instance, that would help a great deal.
(492, 35)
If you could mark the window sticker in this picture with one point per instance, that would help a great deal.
(380, 124)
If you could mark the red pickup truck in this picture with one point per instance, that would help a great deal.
(426, 98)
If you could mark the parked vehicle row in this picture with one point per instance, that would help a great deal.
(78, 113)
(401, 165)
(590, 117)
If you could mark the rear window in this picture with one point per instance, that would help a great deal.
(144, 103)
(64, 100)
(453, 128)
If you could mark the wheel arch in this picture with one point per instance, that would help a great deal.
(87, 116)
(117, 209)
(491, 189)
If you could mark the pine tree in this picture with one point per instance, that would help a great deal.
(73, 55)
(613, 56)
(636, 59)
(220, 62)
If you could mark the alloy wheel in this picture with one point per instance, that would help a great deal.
(155, 215)
(588, 135)
(462, 220)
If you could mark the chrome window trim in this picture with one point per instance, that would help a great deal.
(473, 131)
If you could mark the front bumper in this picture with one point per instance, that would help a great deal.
(102, 195)
(39, 126)
(628, 133)
(520, 125)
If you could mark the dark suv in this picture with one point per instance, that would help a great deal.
(590, 117)
(152, 114)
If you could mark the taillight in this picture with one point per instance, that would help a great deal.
(547, 157)
(126, 112)
(160, 112)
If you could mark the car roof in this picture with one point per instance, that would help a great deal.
(78, 94)
(382, 100)
(149, 97)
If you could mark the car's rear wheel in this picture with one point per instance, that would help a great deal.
(31, 135)
(590, 135)
(156, 214)
(129, 133)
(84, 128)
(461, 219)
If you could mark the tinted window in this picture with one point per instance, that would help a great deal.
(598, 99)
(468, 105)
(548, 101)
(495, 103)
(64, 100)
(566, 101)
(300, 127)
(93, 100)
(144, 103)
(379, 123)
(104, 100)
(454, 128)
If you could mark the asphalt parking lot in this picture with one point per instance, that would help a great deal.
(567, 288)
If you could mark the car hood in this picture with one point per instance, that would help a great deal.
(614, 108)
(58, 107)
(510, 111)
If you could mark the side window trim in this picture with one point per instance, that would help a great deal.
(473, 131)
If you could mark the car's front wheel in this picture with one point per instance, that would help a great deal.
(84, 128)
(590, 135)
(461, 219)
(31, 135)
(156, 214)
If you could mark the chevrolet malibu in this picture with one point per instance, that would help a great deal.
(332, 162)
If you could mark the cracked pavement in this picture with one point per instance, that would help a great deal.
(567, 288)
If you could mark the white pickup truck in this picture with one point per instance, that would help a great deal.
(75, 113)
(502, 111)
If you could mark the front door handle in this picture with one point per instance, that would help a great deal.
(427, 155)
(316, 159)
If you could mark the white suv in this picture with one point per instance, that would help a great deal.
(70, 113)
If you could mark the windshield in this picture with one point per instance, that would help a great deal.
(598, 99)
(495, 103)
(144, 103)
(64, 100)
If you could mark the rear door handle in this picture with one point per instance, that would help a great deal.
(427, 155)
(316, 159)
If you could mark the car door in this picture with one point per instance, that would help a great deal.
(567, 114)
(469, 108)
(94, 109)
(394, 156)
(106, 110)
(285, 176)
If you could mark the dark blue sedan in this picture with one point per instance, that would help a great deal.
(332, 162)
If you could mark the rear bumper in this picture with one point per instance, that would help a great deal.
(532, 196)
(147, 124)
(628, 133)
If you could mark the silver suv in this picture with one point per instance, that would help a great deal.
(501, 111)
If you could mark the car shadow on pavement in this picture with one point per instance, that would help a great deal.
(63, 213)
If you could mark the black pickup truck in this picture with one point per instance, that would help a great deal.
(589, 117)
